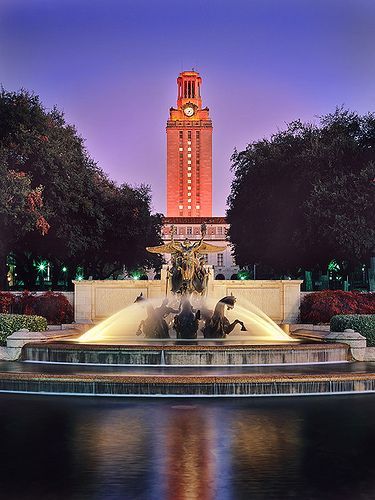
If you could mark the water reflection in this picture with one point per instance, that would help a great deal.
(189, 454)
(84, 448)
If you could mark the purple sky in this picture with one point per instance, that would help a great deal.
(111, 65)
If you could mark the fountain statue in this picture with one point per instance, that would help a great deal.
(186, 323)
(154, 326)
(187, 272)
(217, 326)
(186, 320)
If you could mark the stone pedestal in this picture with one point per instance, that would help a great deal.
(355, 340)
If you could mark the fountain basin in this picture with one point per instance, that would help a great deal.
(186, 354)
(249, 385)
(188, 369)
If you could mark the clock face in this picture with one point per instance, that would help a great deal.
(189, 111)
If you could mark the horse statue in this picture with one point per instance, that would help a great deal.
(186, 323)
(187, 272)
(217, 326)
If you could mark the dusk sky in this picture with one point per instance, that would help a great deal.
(111, 66)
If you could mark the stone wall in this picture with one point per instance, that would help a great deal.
(97, 300)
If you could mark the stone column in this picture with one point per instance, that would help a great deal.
(83, 301)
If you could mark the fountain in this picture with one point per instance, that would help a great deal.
(187, 313)
(186, 343)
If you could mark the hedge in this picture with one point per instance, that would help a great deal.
(10, 323)
(362, 323)
(55, 307)
(319, 307)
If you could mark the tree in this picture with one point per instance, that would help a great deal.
(306, 195)
(21, 210)
(128, 228)
(41, 146)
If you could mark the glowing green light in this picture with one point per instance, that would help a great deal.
(41, 266)
(333, 266)
(79, 278)
(64, 269)
(243, 275)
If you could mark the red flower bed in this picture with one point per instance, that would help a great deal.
(319, 307)
(26, 303)
(55, 307)
(6, 302)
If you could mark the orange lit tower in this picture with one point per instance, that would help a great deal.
(189, 152)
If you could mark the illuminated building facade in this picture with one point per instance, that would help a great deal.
(189, 175)
(189, 152)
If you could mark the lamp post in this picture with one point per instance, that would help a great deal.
(42, 266)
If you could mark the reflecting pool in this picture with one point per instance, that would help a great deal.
(78, 448)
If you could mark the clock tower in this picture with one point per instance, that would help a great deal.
(189, 152)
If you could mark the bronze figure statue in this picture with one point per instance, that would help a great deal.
(154, 326)
(186, 323)
(187, 272)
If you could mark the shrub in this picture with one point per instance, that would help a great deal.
(10, 323)
(26, 303)
(319, 307)
(55, 307)
(362, 323)
(7, 301)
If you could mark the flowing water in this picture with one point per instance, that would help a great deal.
(65, 448)
(122, 326)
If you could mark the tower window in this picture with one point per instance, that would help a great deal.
(189, 135)
(220, 259)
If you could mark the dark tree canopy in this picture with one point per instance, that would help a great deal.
(80, 217)
(306, 195)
